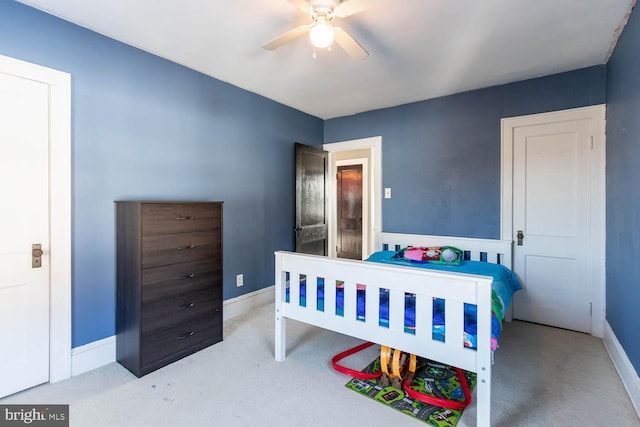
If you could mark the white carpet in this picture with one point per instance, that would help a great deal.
(542, 377)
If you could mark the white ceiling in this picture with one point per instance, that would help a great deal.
(418, 49)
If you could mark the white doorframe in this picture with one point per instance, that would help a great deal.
(374, 145)
(365, 205)
(59, 208)
(597, 114)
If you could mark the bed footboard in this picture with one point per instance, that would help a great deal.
(300, 275)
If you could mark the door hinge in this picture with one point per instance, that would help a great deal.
(592, 142)
(590, 309)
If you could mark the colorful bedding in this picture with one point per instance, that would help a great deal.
(505, 283)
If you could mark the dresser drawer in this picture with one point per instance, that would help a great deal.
(168, 218)
(178, 248)
(167, 342)
(173, 311)
(176, 279)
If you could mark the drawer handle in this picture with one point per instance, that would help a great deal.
(187, 335)
(185, 247)
(187, 276)
(184, 307)
(185, 218)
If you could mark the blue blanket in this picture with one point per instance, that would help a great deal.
(505, 283)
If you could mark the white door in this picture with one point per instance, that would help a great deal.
(551, 223)
(24, 190)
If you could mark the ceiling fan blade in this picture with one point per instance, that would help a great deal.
(351, 7)
(287, 37)
(348, 43)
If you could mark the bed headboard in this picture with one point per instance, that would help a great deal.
(490, 250)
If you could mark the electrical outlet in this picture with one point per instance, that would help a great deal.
(239, 280)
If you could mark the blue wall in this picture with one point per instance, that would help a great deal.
(623, 195)
(441, 157)
(147, 128)
(144, 127)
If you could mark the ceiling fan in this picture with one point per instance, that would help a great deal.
(321, 30)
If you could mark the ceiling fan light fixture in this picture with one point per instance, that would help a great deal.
(321, 34)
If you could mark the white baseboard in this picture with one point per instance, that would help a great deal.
(623, 365)
(102, 352)
(93, 355)
(245, 303)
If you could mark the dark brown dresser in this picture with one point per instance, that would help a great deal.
(169, 274)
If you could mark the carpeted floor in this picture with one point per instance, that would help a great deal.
(541, 377)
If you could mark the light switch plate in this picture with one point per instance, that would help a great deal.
(387, 193)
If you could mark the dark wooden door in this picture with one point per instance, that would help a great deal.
(311, 200)
(349, 210)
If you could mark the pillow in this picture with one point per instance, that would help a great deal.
(448, 255)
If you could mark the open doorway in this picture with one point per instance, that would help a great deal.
(366, 152)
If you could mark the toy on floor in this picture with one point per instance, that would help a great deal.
(398, 370)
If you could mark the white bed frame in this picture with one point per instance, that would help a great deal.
(456, 289)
